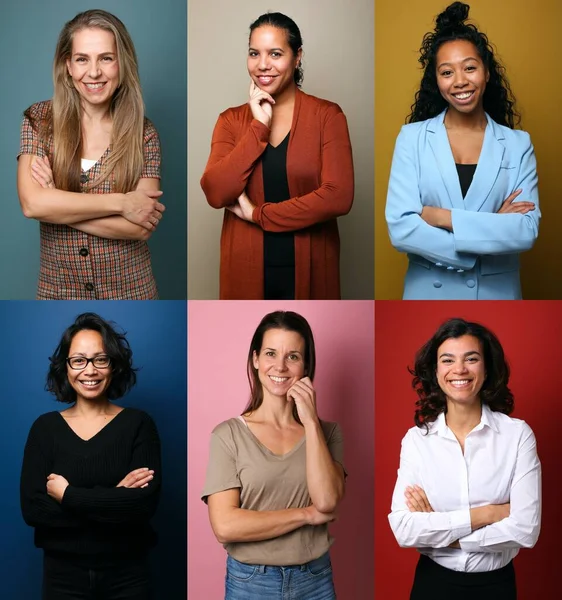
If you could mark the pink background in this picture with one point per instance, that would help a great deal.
(219, 335)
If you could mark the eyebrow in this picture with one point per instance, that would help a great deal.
(462, 61)
(290, 351)
(449, 354)
(270, 50)
(87, 55)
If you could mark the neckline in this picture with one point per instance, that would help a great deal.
(81, 439)
(281, 142)
(99, 160)
(245, 427)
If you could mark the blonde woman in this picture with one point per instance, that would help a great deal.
(89, 168)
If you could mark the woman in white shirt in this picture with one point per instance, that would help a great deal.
(468, 494)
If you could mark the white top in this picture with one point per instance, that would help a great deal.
(499, 465)
(86, 163)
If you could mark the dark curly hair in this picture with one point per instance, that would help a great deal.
(294, 38)
(494, 392)
(499, 101)
(116, 346)
(289, 321)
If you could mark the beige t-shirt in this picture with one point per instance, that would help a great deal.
(268, 481)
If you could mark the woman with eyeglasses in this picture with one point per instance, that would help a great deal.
(90, 478)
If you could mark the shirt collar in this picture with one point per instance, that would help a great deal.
(488, 419)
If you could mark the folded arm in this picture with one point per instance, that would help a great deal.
(231, 163)
(332, 199)
(408, 231)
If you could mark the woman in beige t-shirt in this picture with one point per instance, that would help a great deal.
(275, 475)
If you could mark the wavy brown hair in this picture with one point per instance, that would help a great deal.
(431, 399)
(63, 127)
(450, 25)
(289, 321)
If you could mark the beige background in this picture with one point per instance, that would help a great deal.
(527, 38)
(338, 44)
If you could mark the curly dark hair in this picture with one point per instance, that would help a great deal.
(116, 346)
(432, 401)
(499, 101)
(289, 321)
(294, 38)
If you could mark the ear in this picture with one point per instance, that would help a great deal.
(255, 360)
(299, 57)
(68, 67)
(487, 75)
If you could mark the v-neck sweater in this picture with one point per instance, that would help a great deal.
(95, 518)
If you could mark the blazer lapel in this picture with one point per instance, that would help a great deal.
(439, 143)
(488, 167)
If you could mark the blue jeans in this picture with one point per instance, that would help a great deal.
(311, 581)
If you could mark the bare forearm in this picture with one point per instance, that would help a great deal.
(242, 525)
(325, 484)
(113, 228)
(66, 208)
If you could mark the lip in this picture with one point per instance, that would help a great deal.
(266, 80)
(284, 379)
(95, 90)
(467, 100)
(459, 384)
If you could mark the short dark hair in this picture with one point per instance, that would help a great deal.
(294, 38)
(289, 321)
(495, 391)
(115, 344)
(450, 25)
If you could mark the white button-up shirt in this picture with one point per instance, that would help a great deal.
(499, 465)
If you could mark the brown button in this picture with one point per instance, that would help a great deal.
(84, 178)
(83, 252)
(90, 287)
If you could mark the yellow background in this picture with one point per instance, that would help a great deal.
(528, 39)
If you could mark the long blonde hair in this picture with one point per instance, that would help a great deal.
(125, 162)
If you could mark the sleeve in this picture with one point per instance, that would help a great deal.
(30, 140)
(152, 156)
(408, 231)
(231, 163)
(334, 441)
(332, 199)
(493, 233)
(521, 529)
(120, 504)
(37, 507)
(222, 471)
(418, 529)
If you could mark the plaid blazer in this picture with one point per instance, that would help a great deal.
(79, 266)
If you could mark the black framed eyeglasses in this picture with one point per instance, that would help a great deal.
(78, 363)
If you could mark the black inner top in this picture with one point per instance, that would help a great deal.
(96, 522)
(466, 175)
(278, 247)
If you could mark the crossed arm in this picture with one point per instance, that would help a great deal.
(133, 216)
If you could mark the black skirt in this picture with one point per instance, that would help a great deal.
(434, 582)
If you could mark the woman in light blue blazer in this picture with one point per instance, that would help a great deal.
(462, 197)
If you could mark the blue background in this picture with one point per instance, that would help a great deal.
(30, 332)
(30, 30)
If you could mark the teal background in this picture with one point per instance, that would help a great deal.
(29, 32)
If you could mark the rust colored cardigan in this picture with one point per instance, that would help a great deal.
(320, 175)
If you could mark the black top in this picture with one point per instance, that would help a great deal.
(95, 518)
(466, 174)
(278, 247)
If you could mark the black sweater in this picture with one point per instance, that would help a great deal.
(95, 518)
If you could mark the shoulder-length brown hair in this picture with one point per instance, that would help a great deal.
(63, 126)
(289, 321)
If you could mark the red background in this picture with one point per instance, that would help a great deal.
(531, 335)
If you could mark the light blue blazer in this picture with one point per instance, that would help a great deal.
(479, 260)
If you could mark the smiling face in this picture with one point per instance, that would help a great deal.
(461, 76)
(271, 61)
(460, 369)
(94, 67)
(90, 383)
(280, 363)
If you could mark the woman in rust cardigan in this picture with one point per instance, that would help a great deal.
(282, 166)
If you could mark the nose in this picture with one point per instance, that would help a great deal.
(263, 64)
(460, 367)
(460, 79)
(280, 364)
(94, 70)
